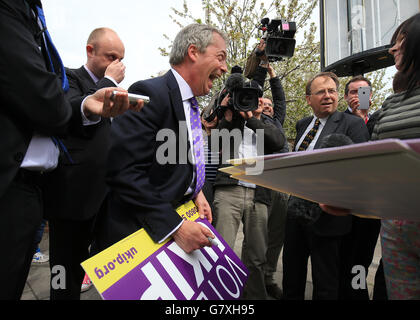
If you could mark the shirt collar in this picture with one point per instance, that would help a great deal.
(184, 88)
(94, 78)
(322, 120)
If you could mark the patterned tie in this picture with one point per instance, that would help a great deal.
(310, 136)
(198, 145)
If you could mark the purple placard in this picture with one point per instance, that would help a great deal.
(211, 273)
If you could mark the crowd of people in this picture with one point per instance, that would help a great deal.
(87, 162)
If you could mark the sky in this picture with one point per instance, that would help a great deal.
(140, 25)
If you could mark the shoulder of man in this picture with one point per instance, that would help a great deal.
(304, 121)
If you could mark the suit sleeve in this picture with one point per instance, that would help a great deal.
(29, 92)
(76, 94)
(131, 157)
(358, 131)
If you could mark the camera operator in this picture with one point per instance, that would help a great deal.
(274, 111)
(236, 201)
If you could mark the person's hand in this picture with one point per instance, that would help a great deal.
(271, 71)
(116, 70)
(210, 125)
(354, 105)
(203, 206)
(100, 103)
(335, 211)
(261, 48)
(192, 236)
(257, 112)
(246, 115)
(228, 114)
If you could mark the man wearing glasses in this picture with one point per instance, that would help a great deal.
(320, 238)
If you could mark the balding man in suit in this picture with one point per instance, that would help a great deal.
(77, 188)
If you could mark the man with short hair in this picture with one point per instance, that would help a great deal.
(144, 189)
(238, 201)
(320, 239)
(77, 188)
(274, 111)
(352, 98)
(351, 95)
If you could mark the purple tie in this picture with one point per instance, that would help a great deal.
(198, 145)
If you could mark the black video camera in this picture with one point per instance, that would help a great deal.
(279, 38)
(243, 96)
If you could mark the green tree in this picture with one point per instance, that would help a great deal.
(240, 20)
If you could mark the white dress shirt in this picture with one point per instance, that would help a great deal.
(248, 149)
(311, 146)
(186, 95)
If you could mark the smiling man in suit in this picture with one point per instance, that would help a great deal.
(320, 239)
(145, 189)
(77, 188)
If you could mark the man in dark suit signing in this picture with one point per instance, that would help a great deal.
(76, 189)
(145, 185)
(320, 238)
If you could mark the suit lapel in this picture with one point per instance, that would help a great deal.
(330, 127)
(301, 129)
(83, 75)
(175, 96)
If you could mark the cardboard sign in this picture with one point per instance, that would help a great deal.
(377, 179)
(137, 268)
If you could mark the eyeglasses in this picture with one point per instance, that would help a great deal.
(321, 93)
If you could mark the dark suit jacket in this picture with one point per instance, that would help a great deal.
(76, 190)
(31, 97)
(353, 127)
(144, 191)
(373, 118)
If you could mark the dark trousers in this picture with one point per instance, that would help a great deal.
(20, 218)
(300, 243)
(69, 246)
(358, 249)
(276, 225)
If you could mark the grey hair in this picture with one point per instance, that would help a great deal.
(200, 35)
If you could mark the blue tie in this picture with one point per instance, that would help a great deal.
(49, 46)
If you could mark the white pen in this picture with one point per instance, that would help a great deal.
(212, 242)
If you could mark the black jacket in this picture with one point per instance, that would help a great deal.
(352, 126)
(144, 189)
(31, 97)
(273, 142)
(76, 190)
(279, 101)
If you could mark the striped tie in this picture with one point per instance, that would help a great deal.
(310, 136)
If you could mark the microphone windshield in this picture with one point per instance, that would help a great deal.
(235, 80)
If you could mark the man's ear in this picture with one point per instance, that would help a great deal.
(89, 50)
(193, 52)
(308, 100)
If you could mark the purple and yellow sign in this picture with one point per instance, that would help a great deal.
(136, 268)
